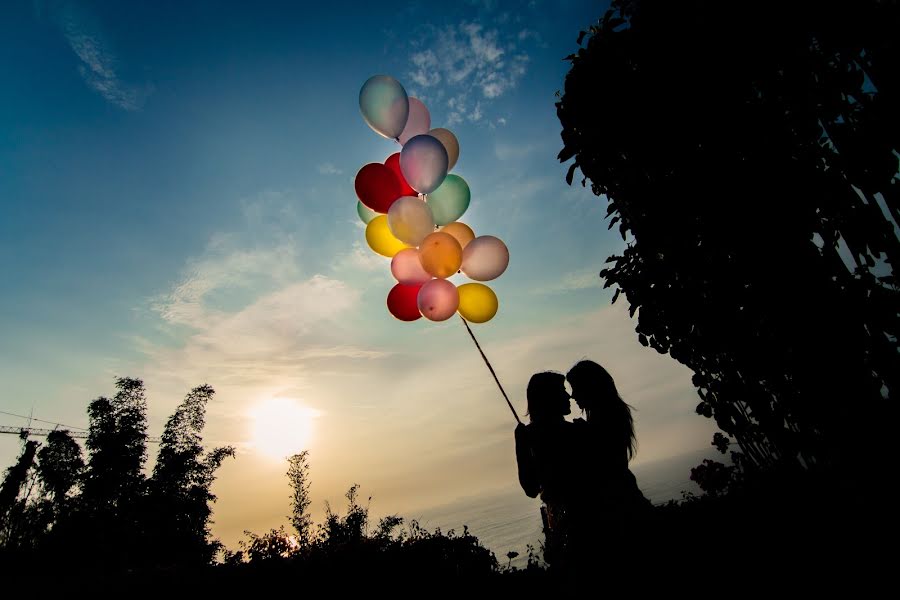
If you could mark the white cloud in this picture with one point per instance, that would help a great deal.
(472, 63)
(570, 282)
(98, 62)
(328, 169)
(508, 151)
(244, 316)
(426, 72)
(223, 268)
(269, 342)
(362, 259)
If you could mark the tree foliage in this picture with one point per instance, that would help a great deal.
(749, 157)
(179, 493)
(13, 495)
(60, 467)
(298, 478)
(106, 512)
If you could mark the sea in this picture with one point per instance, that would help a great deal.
(507, 521)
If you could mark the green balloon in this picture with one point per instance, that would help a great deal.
(365, 213)
(450, 200)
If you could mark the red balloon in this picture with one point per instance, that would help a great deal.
(377, 187)
(401, 301)
(393, 163)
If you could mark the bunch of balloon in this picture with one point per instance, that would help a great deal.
(411, 204)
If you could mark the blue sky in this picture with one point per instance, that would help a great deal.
(178, 205)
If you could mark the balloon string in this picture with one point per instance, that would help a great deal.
(491, 369)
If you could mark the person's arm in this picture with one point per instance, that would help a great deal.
(528, 478)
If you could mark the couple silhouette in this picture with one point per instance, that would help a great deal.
(591, 501)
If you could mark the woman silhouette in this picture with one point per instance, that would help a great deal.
(608, 504)
(544, 450)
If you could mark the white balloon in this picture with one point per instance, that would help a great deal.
(485, 258)
(410, 220)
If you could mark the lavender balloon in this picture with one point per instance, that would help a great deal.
(423, 162)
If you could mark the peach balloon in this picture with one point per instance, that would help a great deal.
(462, 232)
(451, 144)
(440, 254)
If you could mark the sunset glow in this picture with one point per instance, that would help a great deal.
(281, 427)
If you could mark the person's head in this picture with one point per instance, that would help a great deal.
(594, 390)
(592, 385)
(547, 397)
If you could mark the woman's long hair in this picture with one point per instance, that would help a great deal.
(606, 407)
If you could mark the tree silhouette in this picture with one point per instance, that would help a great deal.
(105, 515)
(298, 478)
(117, 444)
(12, 504)
(179, 489)
(60, 467)
(749, 157)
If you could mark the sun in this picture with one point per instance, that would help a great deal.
(281, 427)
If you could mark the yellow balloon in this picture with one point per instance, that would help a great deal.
(462, 232)
(477, 302)
(380, 238)
(440, 254)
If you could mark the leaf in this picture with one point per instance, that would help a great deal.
(643, 340)
(581, 37)
(565, 154)
(571, 172)
(616, 295)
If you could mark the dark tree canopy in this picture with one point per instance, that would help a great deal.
(749, 156)
(106, 514)
(179, 495)
(11, 507)
(60, 466)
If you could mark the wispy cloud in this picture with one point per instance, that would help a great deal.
(571, 282)
(472, 64)
(245, 315)
(268, 342)
(508, 151)
(223, 268)
(362, 259)
(98, 64)
(328, 169)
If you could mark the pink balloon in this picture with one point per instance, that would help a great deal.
(485, 258)
(438, 300)
(407, 268)
(418, 122)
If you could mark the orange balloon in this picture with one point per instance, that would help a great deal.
(440, 254)
(462, 232)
